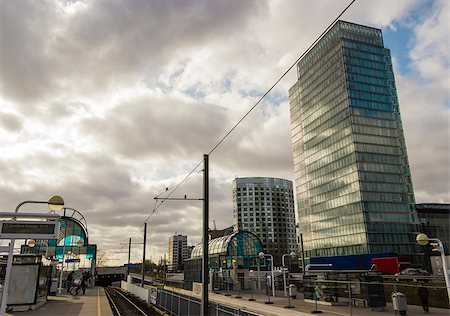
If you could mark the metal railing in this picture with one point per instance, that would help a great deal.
(174, 303)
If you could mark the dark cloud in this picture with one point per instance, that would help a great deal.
(158, 128)
(105, 43)
(10, 122)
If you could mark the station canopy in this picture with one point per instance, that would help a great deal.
(72, 239)
(238, 244)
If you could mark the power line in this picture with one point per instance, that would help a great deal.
(259, 100)
(278, 80)
(157, 206)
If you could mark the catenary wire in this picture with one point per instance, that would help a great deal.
(175, 188)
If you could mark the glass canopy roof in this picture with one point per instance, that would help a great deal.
(241, 243)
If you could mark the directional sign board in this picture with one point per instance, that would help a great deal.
(29, 230)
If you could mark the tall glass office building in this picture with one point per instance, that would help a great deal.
(352, 175)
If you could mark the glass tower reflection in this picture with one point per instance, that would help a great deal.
(352, 176)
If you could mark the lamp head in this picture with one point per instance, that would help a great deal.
(261, 255)
(422, 239)
(293, 254)
(55, 203)
(31, 243)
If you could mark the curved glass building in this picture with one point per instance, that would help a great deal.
(230, 259)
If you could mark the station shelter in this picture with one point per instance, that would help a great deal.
(72, 246)
(231, 257)
(36, 271)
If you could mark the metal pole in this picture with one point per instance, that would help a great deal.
(143, 255)
(7, 277)
(350, 297)
(284, 274)
(267, 291)
(164, 271)
(205, 259)
(303, 252)
(63, 253)
(440, 248)
(273, 278)
(289, 298)
(129, 258)
(259, 278)
(254, 288)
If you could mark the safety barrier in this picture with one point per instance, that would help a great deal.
(175, 303)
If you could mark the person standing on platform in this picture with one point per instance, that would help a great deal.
(69, 281)
(423, 295)
(84, 281)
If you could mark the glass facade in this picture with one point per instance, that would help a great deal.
(228, 255)
(71, 232)
(435, 223)
(352, 176)
(265, 206)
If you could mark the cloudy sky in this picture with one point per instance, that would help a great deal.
(107, 103)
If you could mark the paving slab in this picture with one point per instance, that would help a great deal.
(93, 303)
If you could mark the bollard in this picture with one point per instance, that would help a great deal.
(289, 303)
(251, 292)
(350, 297)
(239, 291)
(315, 311)
(268, 294)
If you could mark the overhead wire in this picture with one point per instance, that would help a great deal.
(260, 99)
(171, 190)
(175, 188)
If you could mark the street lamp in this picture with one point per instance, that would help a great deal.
(262, 255)
(55, 203)
(423, 240)
(292, 255)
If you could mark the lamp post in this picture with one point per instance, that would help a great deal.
(292, 255)
(423, 240)
(55, 203)
(262, 255)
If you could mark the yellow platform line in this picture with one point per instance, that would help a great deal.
(99, 309)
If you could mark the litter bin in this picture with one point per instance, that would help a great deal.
(292, 290)
(399, 303)
(53, 286)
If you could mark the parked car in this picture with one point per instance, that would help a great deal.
(412, 272)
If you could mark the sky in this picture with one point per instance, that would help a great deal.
(108, 103)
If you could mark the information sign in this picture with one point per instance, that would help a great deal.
(29, 230)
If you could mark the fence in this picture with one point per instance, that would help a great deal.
(175, 303)
(347, 293)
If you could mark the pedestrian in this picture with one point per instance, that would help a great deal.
(423, 295)
(69, 281)
(84, 281)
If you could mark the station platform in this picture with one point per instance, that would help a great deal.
(93, 303)
(300, 307)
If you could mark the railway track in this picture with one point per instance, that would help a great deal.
(124, 304)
